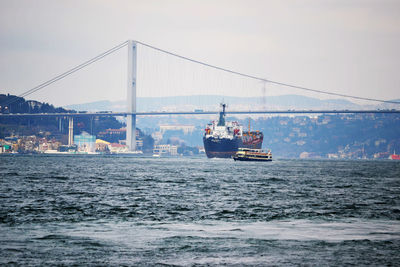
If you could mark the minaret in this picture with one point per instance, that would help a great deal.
(131, 96)
(70, 131)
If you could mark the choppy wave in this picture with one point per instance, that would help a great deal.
(177, 211)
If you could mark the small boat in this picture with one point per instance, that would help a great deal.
(248, 154)
(394, 156)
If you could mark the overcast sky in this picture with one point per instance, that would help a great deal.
(349, 47)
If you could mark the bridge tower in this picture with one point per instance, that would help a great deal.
(131, 96)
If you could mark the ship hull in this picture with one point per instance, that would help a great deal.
(226, 148)
(252, 159)
(220, 147)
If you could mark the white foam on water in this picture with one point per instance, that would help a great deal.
(226, 239)
(137, 234)
(301, 230)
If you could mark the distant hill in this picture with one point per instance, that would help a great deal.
(211, 102)
(24, 126)
(93, 106)
(14, 104)
(389, 105)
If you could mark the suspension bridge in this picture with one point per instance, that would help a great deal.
(223, 81)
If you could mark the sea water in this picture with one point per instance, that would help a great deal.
(107, 210)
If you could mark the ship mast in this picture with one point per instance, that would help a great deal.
(221, 121)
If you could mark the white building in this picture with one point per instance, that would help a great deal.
(169, 150)
(185, 128)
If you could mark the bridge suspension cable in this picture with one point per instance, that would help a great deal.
(67, 73)
(115, 48)
(264, 79)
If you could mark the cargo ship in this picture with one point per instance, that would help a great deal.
(222, 138)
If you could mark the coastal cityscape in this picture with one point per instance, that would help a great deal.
(346, 136)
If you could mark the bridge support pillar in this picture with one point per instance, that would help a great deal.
(131, 132)
(131, 96)
(70, 131)
(60, 128)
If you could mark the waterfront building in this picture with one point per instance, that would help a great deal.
(102, 146)
(186, 129)
(116, 148)
(169, 150)
(85, 142)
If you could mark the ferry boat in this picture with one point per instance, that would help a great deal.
(248, 154)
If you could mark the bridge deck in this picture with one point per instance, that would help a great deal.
(105, 114)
